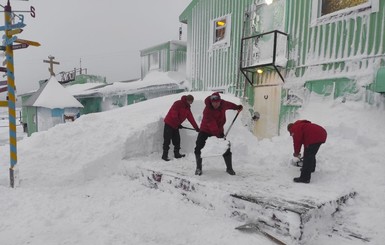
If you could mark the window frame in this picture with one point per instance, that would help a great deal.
(152, 65)
(225, 41)
(365, 8)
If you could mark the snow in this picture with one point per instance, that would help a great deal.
(54, 95)
(77, 188)
(76, 89)
(154, 78)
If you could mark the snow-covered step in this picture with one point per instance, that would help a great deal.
(296, 219)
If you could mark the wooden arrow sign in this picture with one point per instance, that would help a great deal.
(14, 31)
(32, 43)
(3, 89)
(2, 83)
(3, 69)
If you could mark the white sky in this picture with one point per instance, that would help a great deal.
(105, 35)
(79, 181)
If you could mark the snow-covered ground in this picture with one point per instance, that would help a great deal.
(76, 186)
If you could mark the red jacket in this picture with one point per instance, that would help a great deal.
(306, 133)
(214, 119)
(178, 112)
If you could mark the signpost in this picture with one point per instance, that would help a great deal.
(20, 46)
(11, 28)
(29, 42)
(3, 89)
(16, 46)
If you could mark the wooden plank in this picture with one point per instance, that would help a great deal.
(3, 103)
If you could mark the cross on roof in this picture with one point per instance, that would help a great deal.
(51, 63)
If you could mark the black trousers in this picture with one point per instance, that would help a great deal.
(201, 142)
(309, 160)
(171, 135)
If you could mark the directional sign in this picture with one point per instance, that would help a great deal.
(2, 83)
(10, 40)
(14, 26)
(3, 103)
(32, 43)
(14, 32)
(3, 89)
(20, 46)
(16, 46)
(3, 69)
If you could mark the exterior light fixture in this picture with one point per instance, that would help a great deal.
(259, 71)
(268, 2)
(221, 23)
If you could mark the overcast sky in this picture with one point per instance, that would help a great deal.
(106, 35)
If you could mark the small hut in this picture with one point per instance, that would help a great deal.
(49, 106)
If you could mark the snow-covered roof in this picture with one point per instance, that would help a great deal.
(53, 95)
(154, 78)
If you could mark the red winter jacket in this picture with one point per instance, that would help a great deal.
(214, 119)
(178, 112)
(306, 133)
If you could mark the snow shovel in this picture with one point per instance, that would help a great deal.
(228, 130)
(255, 227)
(181, 126)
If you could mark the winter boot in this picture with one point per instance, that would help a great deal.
(198, 158)
(178, 155)
(301, 180)
(304, 178)
(228, 161)
(165, 156)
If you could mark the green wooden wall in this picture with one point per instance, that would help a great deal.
(335, 55)
(209, 69)
(349, 45)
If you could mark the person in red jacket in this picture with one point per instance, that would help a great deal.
(178, 112)
(214, 118)
(311, 136)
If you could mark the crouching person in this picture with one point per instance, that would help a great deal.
(311, 136)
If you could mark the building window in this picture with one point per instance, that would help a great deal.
(331, 6)
(220, 34)
(325, 11)
(220, 30)
(154, 61)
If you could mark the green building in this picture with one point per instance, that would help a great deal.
(276, 53)
(165, 57)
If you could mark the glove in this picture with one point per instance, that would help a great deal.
(180, 126)
(295, 161)
(297, 155)
(239, 107)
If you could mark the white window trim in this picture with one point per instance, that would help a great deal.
(224, 43)
(316, 19)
